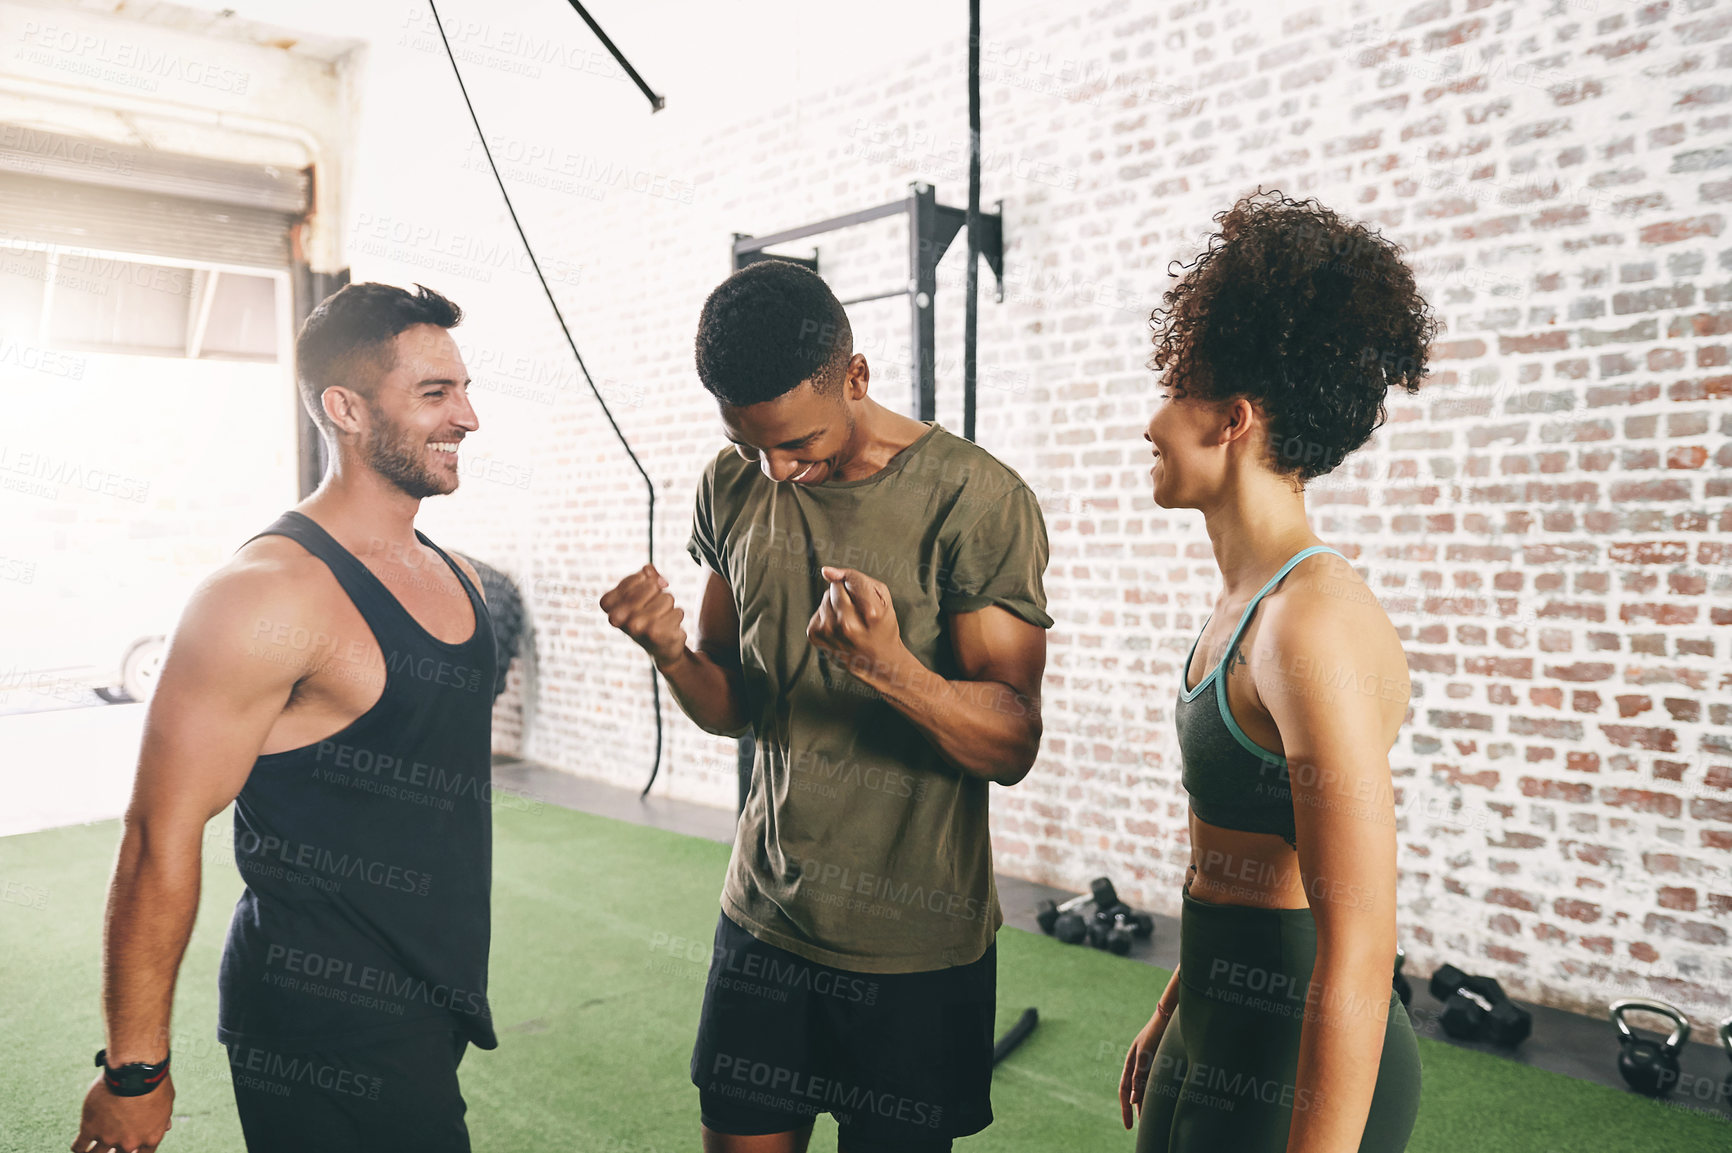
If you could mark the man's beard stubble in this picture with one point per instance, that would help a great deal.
(393, 456)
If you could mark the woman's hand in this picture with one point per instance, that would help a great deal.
(1137, 1062)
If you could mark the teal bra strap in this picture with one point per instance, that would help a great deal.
(1232, 644)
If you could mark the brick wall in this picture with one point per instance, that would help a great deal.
(1546, 523)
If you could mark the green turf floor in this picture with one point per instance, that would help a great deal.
(595, 1017)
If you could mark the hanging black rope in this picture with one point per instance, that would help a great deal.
(655, 684)
(656, 102)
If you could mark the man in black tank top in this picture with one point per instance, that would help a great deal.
(335, 682)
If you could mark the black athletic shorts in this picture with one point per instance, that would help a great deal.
(902, 1060)
(399, 1093)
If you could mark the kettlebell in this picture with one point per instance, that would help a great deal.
(1649, 1067)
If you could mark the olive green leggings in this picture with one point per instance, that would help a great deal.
(1223, 1076)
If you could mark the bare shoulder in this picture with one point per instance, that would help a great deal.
(271, 589)
(469, 570)
(280, 567)
(274, 553)
(1326, 578)
(1326, 612)
(1323, 593)
(250, 632)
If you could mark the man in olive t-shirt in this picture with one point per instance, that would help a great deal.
(875, 615)
(859, 846)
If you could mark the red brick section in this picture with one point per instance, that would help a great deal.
(1548, 524)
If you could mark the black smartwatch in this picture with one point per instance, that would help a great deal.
(132, 1080)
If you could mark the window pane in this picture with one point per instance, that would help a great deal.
(103, 304)
(243, 318)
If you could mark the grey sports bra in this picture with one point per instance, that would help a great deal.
(1233, 782)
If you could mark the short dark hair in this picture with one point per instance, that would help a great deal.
(347, 340)
(1312, 317)
(767, 328)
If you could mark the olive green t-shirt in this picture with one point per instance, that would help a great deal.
(860, 846)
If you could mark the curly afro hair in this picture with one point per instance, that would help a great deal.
(1308, 316)
(766, 329)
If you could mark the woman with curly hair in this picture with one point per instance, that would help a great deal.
(1279, 1031)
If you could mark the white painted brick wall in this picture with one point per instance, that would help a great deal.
(1547, 523)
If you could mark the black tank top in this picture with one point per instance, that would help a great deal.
(367, 855)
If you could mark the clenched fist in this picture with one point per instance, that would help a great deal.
(856, 624)
(641, 607)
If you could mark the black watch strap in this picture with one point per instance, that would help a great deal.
(134, 1079)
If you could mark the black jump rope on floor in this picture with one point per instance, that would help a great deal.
(1026, 1023)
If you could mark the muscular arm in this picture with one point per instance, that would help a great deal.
(1337, 741)
(224, 681)
(707, 682)
(986, 723)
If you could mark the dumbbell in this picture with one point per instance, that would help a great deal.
(1103, 894)
(1475, 1008)
(1063, 921)
(1650, 1067)
(1403, 988)
(1115, 927)
(1111, 929)
(1068, 925)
